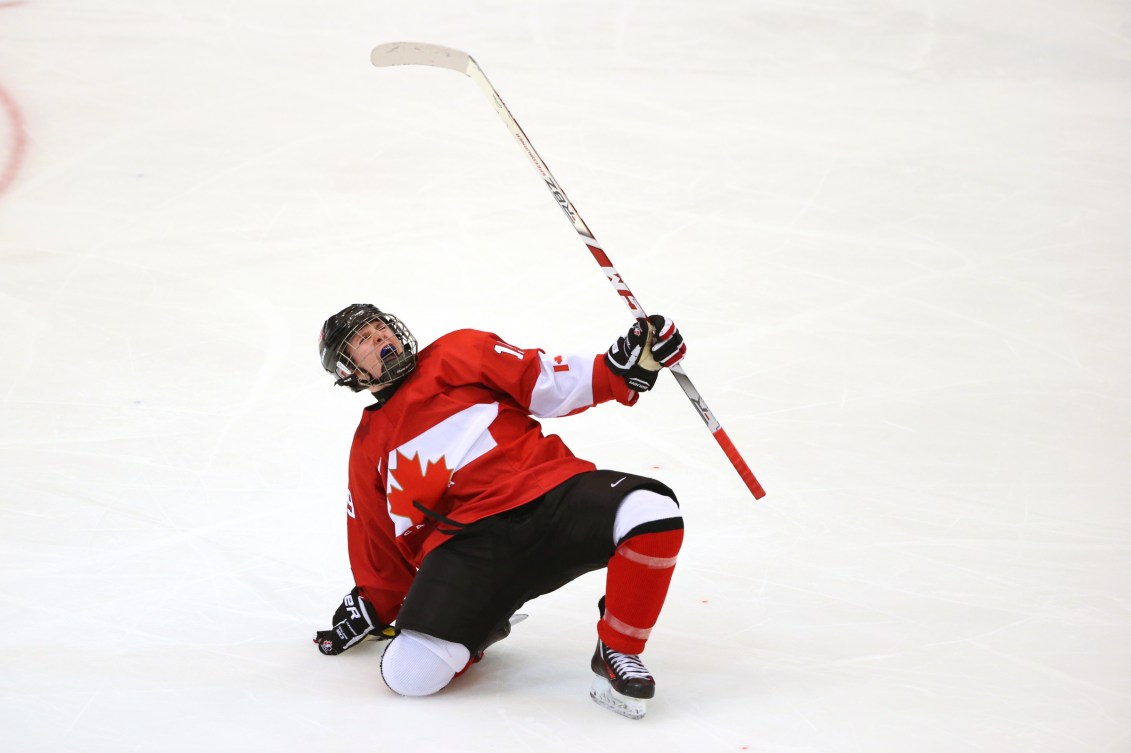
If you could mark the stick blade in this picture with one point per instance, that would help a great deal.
(419, 53)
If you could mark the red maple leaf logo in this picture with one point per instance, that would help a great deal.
(424, 485)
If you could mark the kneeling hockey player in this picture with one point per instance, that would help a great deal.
(460, 509)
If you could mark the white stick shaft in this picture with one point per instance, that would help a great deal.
(419, 53)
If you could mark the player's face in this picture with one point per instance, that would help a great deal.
(369, 345)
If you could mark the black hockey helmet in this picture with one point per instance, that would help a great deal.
(340, 328)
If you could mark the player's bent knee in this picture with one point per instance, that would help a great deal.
(415, 664)
(645, 510)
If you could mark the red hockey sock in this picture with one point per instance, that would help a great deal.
(635, 588)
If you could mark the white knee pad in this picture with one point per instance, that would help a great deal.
(418, 664)
(640, 507)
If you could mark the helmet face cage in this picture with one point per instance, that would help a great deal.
(342, 328)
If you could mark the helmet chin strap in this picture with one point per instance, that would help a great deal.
(369, 381)
(382, 395)
(396, 375)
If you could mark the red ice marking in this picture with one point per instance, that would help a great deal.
(10, 163)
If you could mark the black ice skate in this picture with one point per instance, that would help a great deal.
(622, 682)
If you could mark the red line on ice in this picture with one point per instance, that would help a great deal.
(18, 146)
(11, 163)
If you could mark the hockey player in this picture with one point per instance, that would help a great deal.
(460, 509)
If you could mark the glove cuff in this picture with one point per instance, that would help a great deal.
(640, 378)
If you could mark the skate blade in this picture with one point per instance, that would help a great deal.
(601, 691)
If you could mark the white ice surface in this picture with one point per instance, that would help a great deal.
(890, 229)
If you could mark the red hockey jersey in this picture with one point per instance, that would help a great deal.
(457, 442)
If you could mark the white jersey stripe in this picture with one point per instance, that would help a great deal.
(564, 385)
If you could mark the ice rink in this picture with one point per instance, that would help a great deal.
(889, 229)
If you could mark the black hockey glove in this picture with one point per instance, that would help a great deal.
(353, 620)
(668, 347)
(650, 344)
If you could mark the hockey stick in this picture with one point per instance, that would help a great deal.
(418, 53)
